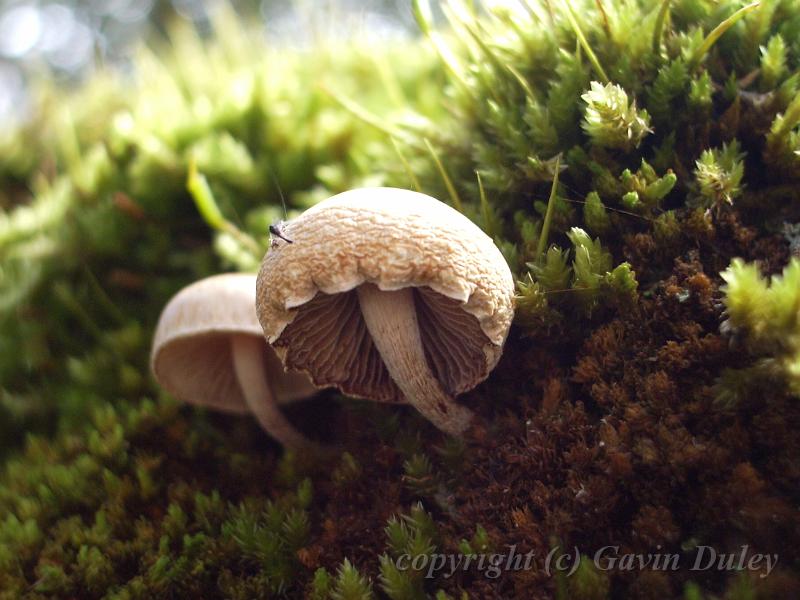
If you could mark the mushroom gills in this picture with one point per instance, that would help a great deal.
(328, 339)
(453, 340)
(391, 320)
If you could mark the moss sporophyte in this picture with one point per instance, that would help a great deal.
(633, 167)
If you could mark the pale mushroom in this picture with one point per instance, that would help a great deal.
(208, 349)
(388, 295)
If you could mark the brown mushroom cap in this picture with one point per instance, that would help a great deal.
(192, 357)
(395, 239)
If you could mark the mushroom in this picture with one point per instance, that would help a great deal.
(208, 349)
(389, 295)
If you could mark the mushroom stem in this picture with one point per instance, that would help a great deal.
(248, 361)
(391, 319)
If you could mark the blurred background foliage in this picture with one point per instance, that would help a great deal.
(97, 229)
(71, 40)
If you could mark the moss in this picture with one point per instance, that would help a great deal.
(768, 316)
(623, 156)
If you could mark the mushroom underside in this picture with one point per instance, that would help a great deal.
(328, 338)
(218, 388)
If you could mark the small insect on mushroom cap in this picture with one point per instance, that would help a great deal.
(277, 230)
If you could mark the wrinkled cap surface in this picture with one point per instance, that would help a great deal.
(309, 310)
(191, 355)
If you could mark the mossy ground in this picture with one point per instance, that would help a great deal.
(648, 394)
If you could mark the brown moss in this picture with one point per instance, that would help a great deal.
(628, 448)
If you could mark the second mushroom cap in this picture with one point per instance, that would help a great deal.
(208, 349)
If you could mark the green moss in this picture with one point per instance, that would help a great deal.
(719, 174)
(767, 313)
(350, 584)
(611, 121)
(672, 128)
(588, 582)
(588, 282)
